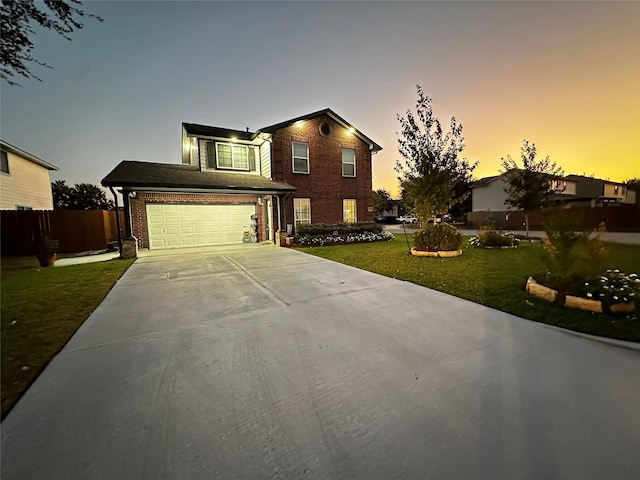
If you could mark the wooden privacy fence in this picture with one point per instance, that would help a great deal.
(615, 218)
(22, 231)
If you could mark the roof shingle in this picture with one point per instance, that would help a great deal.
(131, 173)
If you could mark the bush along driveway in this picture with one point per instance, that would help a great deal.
(495, 278)
(41, 309)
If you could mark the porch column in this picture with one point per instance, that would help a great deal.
(129, 242)
(127, 214)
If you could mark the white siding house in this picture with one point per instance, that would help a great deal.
(24, 181)
(488, 195)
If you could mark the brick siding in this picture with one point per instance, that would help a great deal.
(324, 185)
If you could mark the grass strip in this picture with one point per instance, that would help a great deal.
(41, 308)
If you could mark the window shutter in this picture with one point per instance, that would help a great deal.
(211, 155)
(252, 159)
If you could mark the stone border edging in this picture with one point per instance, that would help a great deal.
(438, 254)
(550, 295)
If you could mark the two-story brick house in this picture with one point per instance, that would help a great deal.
(234, 186)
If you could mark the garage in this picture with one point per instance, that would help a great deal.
(185, 225)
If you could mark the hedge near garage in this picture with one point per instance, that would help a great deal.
(321, 234)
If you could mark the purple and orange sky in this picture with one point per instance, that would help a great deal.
(564, 75)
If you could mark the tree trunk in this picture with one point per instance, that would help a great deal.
(526, 223)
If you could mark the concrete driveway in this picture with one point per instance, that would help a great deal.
(265, 362)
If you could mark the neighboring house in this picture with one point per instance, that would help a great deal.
(235, 186)
(488, 195)
(392, 213)
(24, 181)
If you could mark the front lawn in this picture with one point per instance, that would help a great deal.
(41, 308)
(495, 278)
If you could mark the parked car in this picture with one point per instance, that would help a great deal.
(409, 218)
(386, 219)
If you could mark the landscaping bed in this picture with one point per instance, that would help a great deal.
(324, 234)
(495, 278)
(41, 308)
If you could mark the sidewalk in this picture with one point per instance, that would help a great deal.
(101, 257)
(632, 238)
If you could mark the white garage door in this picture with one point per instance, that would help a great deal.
(172, 226)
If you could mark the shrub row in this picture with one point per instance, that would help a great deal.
(340, 228)
(439, 237)
(322, 240)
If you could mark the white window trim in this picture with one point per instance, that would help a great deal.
(232, 167)
(293, 157)
(355, 210)
(349, 163)
(295, 219)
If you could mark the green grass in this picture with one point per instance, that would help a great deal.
(41, 309)
(495, 278)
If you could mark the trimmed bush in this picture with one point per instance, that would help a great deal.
(439, 237)
(341, 228)
(489, 237)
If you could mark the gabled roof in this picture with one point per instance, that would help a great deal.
(135, 174)
(330, 113)
(584, 178)
(32, 158)
(483, 182)
(206, 131)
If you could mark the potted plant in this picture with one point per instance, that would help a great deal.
(48, 251)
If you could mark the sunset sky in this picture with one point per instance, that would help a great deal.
(564, 75)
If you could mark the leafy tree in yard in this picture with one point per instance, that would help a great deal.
(381, 202)
(89, 197)
(63, 17)
(530, 187)
(61, 195)
(82, 196)
(462, 189)
(430, 167)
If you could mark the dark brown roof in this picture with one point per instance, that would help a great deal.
(206, 131)
(319, 113)
(483, 182)
(131, 173)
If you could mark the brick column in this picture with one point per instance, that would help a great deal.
(129, 247)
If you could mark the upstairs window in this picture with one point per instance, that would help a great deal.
(348, 162)
(233, 157)
(5, 162)
(300, 157)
